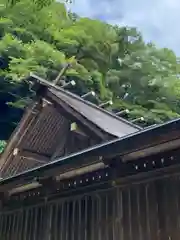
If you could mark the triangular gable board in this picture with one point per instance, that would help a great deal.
(42, 135)
(45, 131)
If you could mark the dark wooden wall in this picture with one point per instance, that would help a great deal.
(146, 211)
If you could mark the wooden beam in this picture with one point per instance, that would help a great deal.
(80, 171)
(34, 156)
(145, 152)
(24, 188)
(75, 128)
(61, 73)
(45, 102)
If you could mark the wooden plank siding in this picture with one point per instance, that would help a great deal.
(149, 210)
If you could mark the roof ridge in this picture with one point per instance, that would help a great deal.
(60, 89)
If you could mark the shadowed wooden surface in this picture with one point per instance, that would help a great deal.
(148, 211)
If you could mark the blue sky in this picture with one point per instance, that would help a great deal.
(158, 20)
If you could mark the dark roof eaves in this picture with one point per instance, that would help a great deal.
(96, 150)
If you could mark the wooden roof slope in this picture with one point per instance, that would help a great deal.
(103, 119)
(44, 131)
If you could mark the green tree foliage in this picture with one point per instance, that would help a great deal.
(2, 146)
(41, 36)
